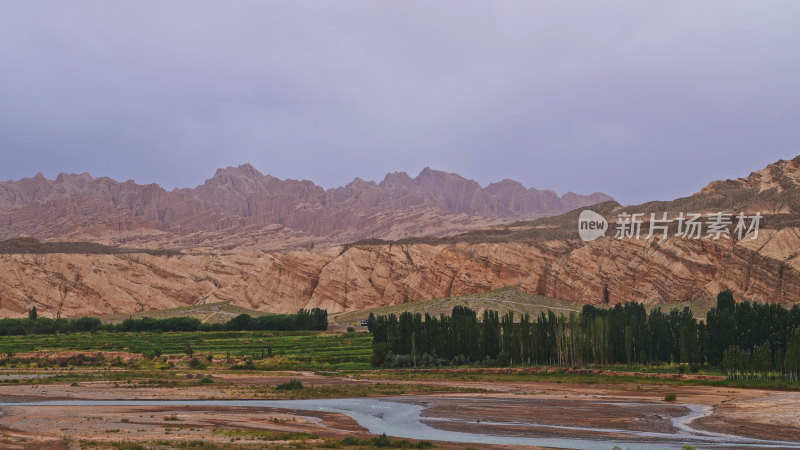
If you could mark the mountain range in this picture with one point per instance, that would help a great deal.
(277, 246)
(240, 205)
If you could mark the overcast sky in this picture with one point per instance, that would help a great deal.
(643, 100)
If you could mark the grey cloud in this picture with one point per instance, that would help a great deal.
(642, 100)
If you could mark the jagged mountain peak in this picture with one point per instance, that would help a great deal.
(507, 183)
(64, 177)
(360, 183)
(243, 194)
(243, 170)
(782, 175)
(394, 179)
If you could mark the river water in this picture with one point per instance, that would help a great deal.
(402, 419)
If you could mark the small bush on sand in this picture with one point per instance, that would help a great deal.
(196, 364)
(291, 385)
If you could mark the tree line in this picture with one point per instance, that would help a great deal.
(313, 319)
(743, 339)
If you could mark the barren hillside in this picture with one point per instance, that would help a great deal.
(542, 256)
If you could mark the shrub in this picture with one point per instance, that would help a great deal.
(86, 324)
(384, 441)
(351, 330)
(670, 397)
(247, 365)
(152, 354)
(503, 359)
(379, 353)
(205, 380)
(393, 360)
(291, 385)
(351, 441)
(381, 441)
(196, 364)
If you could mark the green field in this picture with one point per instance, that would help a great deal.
(290, 350)
(305, 350)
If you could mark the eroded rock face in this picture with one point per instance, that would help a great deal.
(357, 278)
(609, 271)
(386, 275)
(604, 271)
(98, 284)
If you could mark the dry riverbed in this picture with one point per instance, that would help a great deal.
(492, 408)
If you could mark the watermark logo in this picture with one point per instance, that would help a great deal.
(591, 225)
(685, 226)
(690, 226)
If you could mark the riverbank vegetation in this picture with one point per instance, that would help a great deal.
(314, 319)
(750, 344)
(744, 340)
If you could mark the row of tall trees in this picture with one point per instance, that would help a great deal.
(622, 334)
(313, 319)
(762, 363)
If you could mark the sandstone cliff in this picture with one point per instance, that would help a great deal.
(604, 271)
